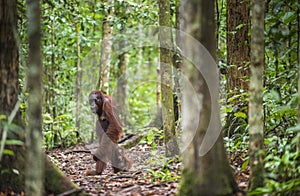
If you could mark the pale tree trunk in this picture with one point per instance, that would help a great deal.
(78, 77)
(140, 50)
(256, 126)
(166, 78)
(49, 74)
(121, 93)
(34, 158)
(206, 168)
(158, 117)
(106, 47)
(52, 73)
(122, 83)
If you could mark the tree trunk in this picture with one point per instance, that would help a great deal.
(122, 83)
(158, 116)
(238, 58)
(9, 86)
(256, 126)
(206, 168)
(121, 94)
(34, 153)
(78, 78)
(9, 89)
(166, 78)
(177, 61)
(56, 183)
(12, 167)
(238, 48)
(106, 47)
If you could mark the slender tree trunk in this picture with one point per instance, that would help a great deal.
(106, 47)
(34, 159)
(140, 50)
(206, 168)
(14, 178)
(256, 126)
(52, 75)
(166, 78)
(121, 94)
(177, 61)
(48, 72)
(78, 78)
(158, 117)
(122, 83)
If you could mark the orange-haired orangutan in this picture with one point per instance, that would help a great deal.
(109, 131)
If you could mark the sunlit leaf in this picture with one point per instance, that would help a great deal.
(240, 114)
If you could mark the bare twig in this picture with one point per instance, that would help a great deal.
(71, 192)
(77, 151)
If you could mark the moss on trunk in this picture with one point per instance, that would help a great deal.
(166, 78)
(56, 182)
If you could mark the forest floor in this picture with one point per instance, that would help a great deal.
(151, 174)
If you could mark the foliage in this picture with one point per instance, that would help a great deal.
(73, 24)
(153, 138)
(165, 173)
(169, 168)
(64, 138)
(63, 24)
(141, 99)
(280, 98)
(280, 102)
(8, 135)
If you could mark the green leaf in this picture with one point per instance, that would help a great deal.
(14, 142)
(62, 117)
(150, 138)
(289, 17)
(240, 114)
(8, 152)
(294, 129)
(47, 119)
(244, 165)
(2, 117)
(153, 146)
(4, 171)
(239, 26)
(275, 95)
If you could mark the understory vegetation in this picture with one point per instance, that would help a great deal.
(71, 45)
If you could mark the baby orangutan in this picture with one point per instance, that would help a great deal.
(109, 131)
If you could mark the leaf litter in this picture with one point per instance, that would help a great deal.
(151, 174)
